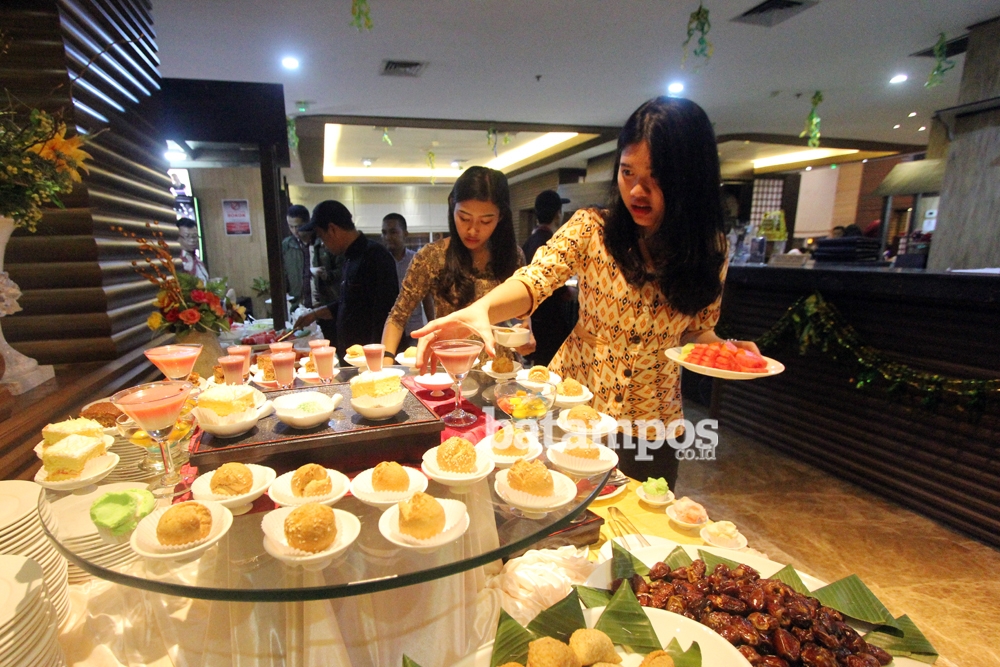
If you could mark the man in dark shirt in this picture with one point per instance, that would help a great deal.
(548, 215)
(368, 288)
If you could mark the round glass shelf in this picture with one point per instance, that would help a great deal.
(238, 568)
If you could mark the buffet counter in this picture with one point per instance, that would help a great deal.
(937, 458)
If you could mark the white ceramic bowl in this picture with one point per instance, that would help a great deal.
(671, 512)
(235, 429)
(534, 507)
(522, 377)
(511, 336)
(286, 408)
(654, 503)
(485, 448)
(273, 525)
(460, 482)
(741, 540)
(574, 465)
(488, 369)
(383, 407)
(604, 427)
(357, 362)
(361, 488)
(281, 490)
(456, 523)
(144, 542)
(437, 382)
(263, 477)
(94, 471)
(409, 362)
(563, 401)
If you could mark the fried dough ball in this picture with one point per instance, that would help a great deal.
(593, 646)
(549, 652)
(657, 659)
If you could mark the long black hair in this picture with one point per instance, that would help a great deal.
(688, 248)
(455, 283)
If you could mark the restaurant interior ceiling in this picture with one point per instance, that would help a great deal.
(515, 64)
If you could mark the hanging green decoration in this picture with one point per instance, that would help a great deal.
(506, 138)
(812, 122)
(385, 136)
(361, 15)
(941, 63)
(698, 24)
(293, 135)
(491, 139)
(430, 163)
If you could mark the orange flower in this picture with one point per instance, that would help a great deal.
(62, 151)
(190, 317)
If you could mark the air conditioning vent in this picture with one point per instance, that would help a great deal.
(772, 12)
(402, 68)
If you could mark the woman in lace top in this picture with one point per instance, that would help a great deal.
(456, 274)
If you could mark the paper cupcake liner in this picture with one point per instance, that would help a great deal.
(483, 462)
(110, 538)
(562, 486)
(281, 490)
(150, 542)
(559, 456)
(454, 516)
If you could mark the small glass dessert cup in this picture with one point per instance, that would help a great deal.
(325, 357)
(284, 368)
(525, 400)
(373, 357)
(458, 357)
(175, 361)
(232, 368)
(281, 347)
(241, 351)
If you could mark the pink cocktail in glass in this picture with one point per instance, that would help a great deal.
(324, 357)
(373, 356)
(280, 347)
(155, 407)
(457, 357)
(284, 368)
(242, 351)
(174, 361)
(232, 368)
(321, 342)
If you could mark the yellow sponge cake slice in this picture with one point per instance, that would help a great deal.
(227, 399)
(67, 458)
(53, 433)
(375, 384)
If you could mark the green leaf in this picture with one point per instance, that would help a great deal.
(913, 643)
(711, 560)
(409, 662)
(677, 558)
(624, 564)
(852, 598)
(560, 620)
(626, 623)
(511, 643)
(593, 597)
(682, 658)
(788, 575)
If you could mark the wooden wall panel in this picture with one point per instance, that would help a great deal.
(845, 203)
(82, 300)
(522, 202)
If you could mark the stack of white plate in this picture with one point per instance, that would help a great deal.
(78, 533)
(28, 624)
(21, 534)
(130, 457)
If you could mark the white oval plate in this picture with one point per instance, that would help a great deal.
(460, 482)
(144, 542)
(488, 369)
(606, 426)
(654, 503)
(357, 362)
(585, 467)
(485, 448)
(361, 488)
(273, 525)
(773, 368)
(281, 490)
(684, 524)
(533, 511)
(239, 428)
(741, 542)
(434, 382)
(522, 376)
(563, 401)
(457, 522)
(285, 407)
(263, 477)
(94, 471)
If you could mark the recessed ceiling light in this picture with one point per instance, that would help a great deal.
(911, 114)
(175, 156)
(289, 62)
(455, 164)
(675, 88)
(865, 160)
(530, 149)
(899, 78)
(809, 168)
(921, 128)
(896, 126)
(367, 161)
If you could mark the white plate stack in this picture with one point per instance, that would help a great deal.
(28, 624)
(130, 457)
(78, 533)
(21, 534)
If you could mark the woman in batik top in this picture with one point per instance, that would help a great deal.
(458, 273)
(650, 270)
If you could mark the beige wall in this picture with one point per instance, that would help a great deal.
(239, 258)
(817, 194)
(845, 204)
(425, 207)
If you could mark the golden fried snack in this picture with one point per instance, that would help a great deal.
(593, 646)
(311, 480)
(538, 374)
(456, 455)
(390, 476)
(657, 659)
(569, 387)
(531, 477)
(585, 415)
(549, 652)
(422, 516)
(503, 364)
(231, 479)
(311, 527)
(184, 523)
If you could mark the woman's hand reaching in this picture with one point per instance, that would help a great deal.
(471, 320)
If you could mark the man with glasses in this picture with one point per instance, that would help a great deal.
(189, 237)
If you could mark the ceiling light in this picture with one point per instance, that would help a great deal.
(899, 78)
(367, 161)
(175, 156)
(865, 160)
(455, 164)
(809, 168)
(676, 88)
(911, 114)
(921, 128)
(530, 149)
(801, 156)
(896, 126)
(289, 62)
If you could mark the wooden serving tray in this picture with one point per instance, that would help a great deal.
(347, 441)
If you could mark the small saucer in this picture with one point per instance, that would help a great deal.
(654, 503)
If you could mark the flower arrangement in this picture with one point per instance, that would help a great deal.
(37, 164)
(184, 303)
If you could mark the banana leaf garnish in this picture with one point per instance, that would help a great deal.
(409, 662)
(788, 575)
(851, 597)
(560, 620)
(626, 623)
(677, 558)
(913, 644)
(711, 560)
(593, 597)
(624, 564)
(511, 643)
(682, 658)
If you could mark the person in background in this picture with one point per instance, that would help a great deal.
(552, 321)
(189, 237)
(837, 232)
(853, 230)
(369, 286)
(312, 274)
(478, 255)
(651, 268)
(394, 237)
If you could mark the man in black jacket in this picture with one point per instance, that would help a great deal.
(368, 288)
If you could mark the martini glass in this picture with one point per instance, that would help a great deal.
(155, 407)
(174, 361)
(457, 357)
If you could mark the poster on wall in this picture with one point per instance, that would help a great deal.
(236, 216)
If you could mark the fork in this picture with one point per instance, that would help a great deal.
(624, 524)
